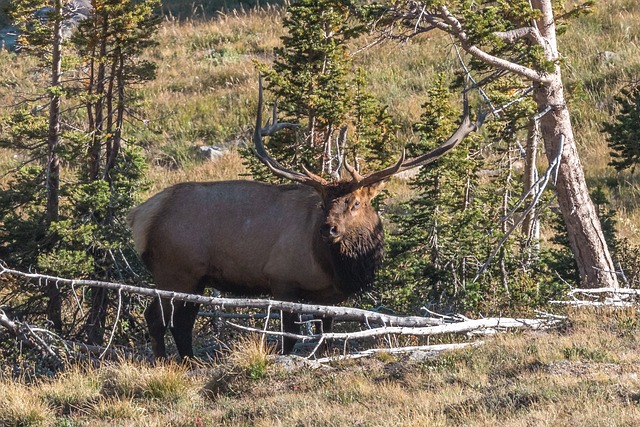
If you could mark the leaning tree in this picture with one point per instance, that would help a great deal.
(519, 37)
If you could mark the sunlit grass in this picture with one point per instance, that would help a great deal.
(556, 378)
(229, 167)
(205, 93)
(250, 355)
(21, 406)
(74, 390)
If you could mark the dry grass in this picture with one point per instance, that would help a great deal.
(230, 166)
(583, 375)
(21, 406)
(586, 375)
(205, 89)
(250, 354)
(74, 390)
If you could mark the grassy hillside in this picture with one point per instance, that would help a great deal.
(206, 88)
(182, 9)
(583, 375)
(205, 94)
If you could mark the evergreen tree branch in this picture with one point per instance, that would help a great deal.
(444, 20)
(454, 27)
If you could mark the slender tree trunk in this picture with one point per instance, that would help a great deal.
(53, 138)
(54, 306)
(95, 151)
(95, 326)
(506, 196)
(96, 321)
(116, 140)
(583, 225)
(530, 224)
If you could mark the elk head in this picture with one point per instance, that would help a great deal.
(347, 202)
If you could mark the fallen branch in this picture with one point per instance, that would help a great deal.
(613, 291)
(433, 349)
(469, 326)
(98, 351)
(601, 297)
(28, 336)
(380, 324)
(583, 303)
(343, 313)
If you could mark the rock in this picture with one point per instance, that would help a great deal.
(421, 356)
(208, 152)
(293, 363)
(9, 37)
(607, 56)
(77, 10)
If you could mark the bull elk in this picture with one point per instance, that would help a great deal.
(315, 240)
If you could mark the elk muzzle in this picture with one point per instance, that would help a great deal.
(330, 232)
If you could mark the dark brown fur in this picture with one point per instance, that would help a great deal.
(318, 241)
(250, 238)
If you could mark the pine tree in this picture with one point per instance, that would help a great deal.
(466, 203)
(316, 85)
(520, 38)
(430, 246)
(82, 232)
(624, 133)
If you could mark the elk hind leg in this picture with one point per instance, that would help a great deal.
(182, 328)
(289, 325)
(157, 324)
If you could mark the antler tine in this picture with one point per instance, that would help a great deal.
(381, 175)
(465, 128)
(354, 173)
(274, 166)
(341, 155)
(274, 115)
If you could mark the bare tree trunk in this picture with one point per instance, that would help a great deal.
(506, 196)
(580, 217)
(583, 225)
(95, 325)
(54, 306)
(578, 211)
(530, 224)
(116, 140)
(97, 318)
(95, 150)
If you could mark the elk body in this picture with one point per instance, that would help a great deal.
(316, 240)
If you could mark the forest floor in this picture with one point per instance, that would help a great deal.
(586, 373)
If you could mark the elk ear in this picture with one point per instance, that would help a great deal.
(374, 189)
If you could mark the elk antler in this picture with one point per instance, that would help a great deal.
(466, 127)
(307, 177)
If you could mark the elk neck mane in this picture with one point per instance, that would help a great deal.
(358, 255)
(357, 258)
